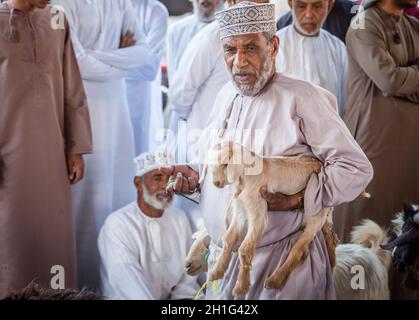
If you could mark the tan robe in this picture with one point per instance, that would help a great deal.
(43, 116)
(382, 112)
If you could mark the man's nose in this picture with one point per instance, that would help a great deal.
(240, 60)
(309, 12)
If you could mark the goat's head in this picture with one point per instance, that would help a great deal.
(406, 245)
(228, 162)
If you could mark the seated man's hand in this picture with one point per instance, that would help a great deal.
(186, 179)
(280, 202)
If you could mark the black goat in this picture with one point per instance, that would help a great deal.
(405, 246)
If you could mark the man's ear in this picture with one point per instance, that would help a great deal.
(275, 44)
(138, 184)
(290, 4)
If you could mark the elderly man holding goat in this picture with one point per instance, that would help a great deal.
(274, 115)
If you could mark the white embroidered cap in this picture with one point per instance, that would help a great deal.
(246, 17)
(149, 161)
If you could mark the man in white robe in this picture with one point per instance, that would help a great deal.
(201, 75)
(182, 31)
(109, 45)
(311, 53)
(180, 35)
(144, 93)
(275, 115)
(143, 245)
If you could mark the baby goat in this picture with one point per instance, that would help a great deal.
(287, 175)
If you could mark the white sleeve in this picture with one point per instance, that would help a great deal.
(188, 286)
(170, 54)
(195, 67)
(343, 80)
(121, 273)
(139, 60)
(90, 67)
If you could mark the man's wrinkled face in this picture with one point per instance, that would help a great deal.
(309, 15)
(207, 8)
(250, 59)
(406, 3)
(152, 188)
(39, 3)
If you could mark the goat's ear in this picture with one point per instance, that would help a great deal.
(409, 210)
(233, 172)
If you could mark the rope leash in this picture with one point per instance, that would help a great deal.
(215, 282)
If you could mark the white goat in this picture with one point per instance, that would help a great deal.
(287, 175)
(365, 256)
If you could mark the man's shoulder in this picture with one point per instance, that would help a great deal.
(119, 217)
(365, 21)
(183, 24)
(413, 20)
(284, 20)
(283, 31)
(292, 86)
(305, 95)
(335, 41)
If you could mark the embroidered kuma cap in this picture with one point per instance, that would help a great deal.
(246, 17)
(149, 161)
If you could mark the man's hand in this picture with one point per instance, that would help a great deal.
(280, 202)
(75, 167)
(186, 179)
(127, 40)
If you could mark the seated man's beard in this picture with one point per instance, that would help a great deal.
(153, 199)
(262, 78)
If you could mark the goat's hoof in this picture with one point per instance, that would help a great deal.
(193, 269)
(240, 289)
(275, 282)
(215, 275)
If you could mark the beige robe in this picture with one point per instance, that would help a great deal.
(382, 113)
(43, 116)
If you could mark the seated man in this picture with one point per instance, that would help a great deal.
(311, 53)
(143, 245)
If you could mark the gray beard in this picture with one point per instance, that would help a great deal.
(300, 28)
(152, 200)
(204, 17)
(248, 90)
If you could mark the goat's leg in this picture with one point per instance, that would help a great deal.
(331, 240)
(256, 210)
(299, 250)
(229, 240)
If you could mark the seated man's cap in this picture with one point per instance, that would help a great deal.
(246, 17)
(149, 161)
